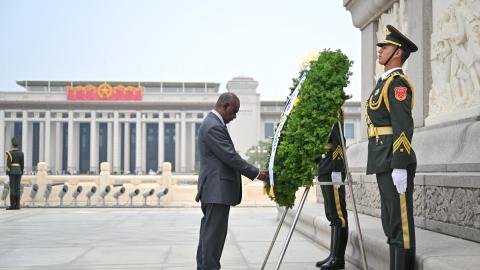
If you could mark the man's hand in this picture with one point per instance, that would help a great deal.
(399, 177)
(263, 176)
(337, 179)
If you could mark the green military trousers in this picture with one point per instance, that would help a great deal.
(397, 209)
(334, 202)
(15, 190)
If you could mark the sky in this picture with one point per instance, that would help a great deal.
(177, 40)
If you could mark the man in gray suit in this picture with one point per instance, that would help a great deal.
(219, 182)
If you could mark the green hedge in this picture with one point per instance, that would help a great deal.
(305, 134)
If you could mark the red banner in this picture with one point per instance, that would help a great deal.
(104, 92)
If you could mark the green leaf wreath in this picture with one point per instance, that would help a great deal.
(305, 134)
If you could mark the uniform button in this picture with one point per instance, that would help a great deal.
(401, 149)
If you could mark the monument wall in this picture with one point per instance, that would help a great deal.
(446, 75)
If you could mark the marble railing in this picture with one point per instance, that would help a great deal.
(106, 190)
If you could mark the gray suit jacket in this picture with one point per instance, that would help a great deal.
(221, 166)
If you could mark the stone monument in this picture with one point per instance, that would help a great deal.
(446, 75)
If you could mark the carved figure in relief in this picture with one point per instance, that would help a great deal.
(455, 55)
(440, 96)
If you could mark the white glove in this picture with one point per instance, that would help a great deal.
(337, 179)
(399, 177)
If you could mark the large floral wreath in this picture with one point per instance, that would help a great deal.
(304, 135)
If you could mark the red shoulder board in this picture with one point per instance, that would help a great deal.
(400, 93)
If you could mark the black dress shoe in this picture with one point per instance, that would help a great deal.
(10, 208)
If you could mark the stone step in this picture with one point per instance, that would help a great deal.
(434, 250)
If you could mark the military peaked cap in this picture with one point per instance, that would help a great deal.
(395, 37)
(14, 141)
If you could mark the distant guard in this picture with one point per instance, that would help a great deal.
(388, 112)
(14, 172)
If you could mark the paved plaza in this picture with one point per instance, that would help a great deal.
(141, 238)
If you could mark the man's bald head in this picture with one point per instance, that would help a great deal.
(226, 98)
(227, 106)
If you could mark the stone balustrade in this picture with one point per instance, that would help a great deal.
(180, 189)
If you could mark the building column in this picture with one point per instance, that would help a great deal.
(138, 143)
(93, 143)
(29, 160)
(192, 146)
(25, 145)
(177, 147)
(9, 134)
(116, 143)
(47, 139)
(58, 147)
(144, 147)
(2, 142)
(109, 144)
(126, 148)
(183, 143)
(70, 148)
(41, 143)
(419, 14)
(161, 141)
(368, 62)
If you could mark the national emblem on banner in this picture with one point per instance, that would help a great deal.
(104, 91)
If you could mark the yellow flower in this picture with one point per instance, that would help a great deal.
(311, 57)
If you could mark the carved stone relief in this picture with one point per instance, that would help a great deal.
(397, 17)
(455, 56)
(452, 205)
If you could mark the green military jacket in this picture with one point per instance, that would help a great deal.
(14, 162)
(332, 160)
(388, 112)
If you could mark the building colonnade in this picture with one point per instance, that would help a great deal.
(132, 141)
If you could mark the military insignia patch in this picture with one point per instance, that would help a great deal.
(400, 93)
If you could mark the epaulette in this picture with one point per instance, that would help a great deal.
(384, 93)
(10, 156)
(407, 80)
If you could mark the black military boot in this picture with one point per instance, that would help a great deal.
(404, 259)
(12, 202)
(392, 257)
(337, 261)
(320, 263)
(17, 201)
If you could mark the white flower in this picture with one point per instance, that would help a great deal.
(311, 57)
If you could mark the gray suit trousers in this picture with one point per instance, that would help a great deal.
(213, 231)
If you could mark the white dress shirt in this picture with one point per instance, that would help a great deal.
(384, 75)
(219, 116)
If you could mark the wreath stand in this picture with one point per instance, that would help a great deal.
(300, 207)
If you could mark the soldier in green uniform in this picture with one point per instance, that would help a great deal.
(14, 171)
(331, 168)
(388, 112)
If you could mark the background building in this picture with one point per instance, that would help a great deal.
(73, 126)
